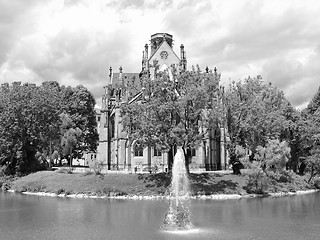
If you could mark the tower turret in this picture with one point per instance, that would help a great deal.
(183, 59)
(158, 38)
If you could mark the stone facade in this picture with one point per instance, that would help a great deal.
(114, 150)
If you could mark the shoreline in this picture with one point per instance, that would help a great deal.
(159, 197)
(208, 186)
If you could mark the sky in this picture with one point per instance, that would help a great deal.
(75, 42)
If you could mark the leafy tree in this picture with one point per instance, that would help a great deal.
(311, 141)
(274, 156)
(20, 127)
(71, 138)
(255, 113)
(30, 123)
(79, 104)
(175, 110)
(310, 136)
(314, 104)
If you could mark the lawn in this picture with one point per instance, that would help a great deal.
(113, 184)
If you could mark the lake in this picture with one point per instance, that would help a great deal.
(32, 217)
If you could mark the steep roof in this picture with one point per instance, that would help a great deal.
(165, 45)
(131, 82)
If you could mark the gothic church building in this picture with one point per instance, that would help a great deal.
(114, 151)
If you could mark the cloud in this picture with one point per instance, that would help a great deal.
(283, 72)
(16, 20)
(299, 79)
(141, 5)
(76, 41)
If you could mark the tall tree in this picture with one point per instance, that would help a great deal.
(257, 112)
(175, 110)
(30, 122)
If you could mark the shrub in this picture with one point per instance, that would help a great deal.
(274, 156)
(70, 170)
(59, 191)
(287, 176)
(317, 183)
(97, 167)
(313, 163)
(258, 181)
(3, 171)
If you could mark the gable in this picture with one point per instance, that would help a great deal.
(164, 55)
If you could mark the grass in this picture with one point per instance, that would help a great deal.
(141, 184)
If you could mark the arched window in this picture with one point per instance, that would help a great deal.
(156, 152)
(138, 150)
(112, 126)
(193, 152)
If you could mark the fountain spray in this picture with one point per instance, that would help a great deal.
(178, 216)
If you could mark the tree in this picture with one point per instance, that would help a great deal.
(314, 104)
(22, 121)
(313, 163)
(274, 156)
(310, 136)
(257, 112)
(78, 103)
(175, 110)
(30, 123)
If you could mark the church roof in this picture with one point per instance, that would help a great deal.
(126, 76)
(130, 80)
(160, 46)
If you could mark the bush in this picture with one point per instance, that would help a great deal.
(274, 156)
(258, 182)
(97, 168)
(70, 170)
(3, 171)
(59, 191)
(286, 176)
(317, 183)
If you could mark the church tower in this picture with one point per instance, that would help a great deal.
(116, 150)
(162, 54)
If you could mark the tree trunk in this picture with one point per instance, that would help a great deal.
(311, 175)
(50, 155)
(170, 159)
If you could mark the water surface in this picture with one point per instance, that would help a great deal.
(32, 217)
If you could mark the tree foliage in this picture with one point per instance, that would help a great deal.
(274, 156)
(309, 133)
(175, 110)
(30, 122)
(255, 113)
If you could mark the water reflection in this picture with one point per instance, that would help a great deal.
(31, 217)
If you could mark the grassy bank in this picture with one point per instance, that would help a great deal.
(143, 184)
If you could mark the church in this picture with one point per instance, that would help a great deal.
(114, 150)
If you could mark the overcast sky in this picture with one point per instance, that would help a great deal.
(76, 41)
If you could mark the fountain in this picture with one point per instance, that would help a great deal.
(178, 217)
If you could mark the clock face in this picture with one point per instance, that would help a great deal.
(164, 55)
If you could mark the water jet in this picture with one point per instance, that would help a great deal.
(178, 217)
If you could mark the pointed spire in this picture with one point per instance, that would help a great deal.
(164, 37)
(146, 56)
(110, 76)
